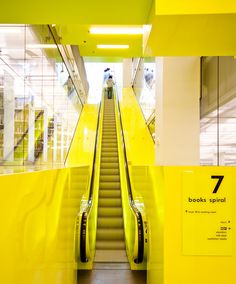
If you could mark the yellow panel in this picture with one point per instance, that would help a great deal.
(195, 7)
(37, 216)
(130, 221)
(139, 143)
(198, 35)
(82, 146)
(75, 11)
(209, 261)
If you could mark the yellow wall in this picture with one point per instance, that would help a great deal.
(175, 256)
(82, 146)
(195, 7)
(37, 216)
(139, 142)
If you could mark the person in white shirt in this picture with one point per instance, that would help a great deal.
(106, 74)
(110, 84)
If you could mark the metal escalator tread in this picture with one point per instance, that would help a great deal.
(110, 230)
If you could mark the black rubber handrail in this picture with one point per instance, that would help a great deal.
(137, 213)
(149, 121)
(84, 218)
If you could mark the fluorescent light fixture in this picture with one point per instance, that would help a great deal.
(10, 30)
(116, 30)
(34, 46)
(113, 46)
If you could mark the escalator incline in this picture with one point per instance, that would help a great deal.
(110, 244)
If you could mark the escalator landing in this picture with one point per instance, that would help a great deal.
(108, 276)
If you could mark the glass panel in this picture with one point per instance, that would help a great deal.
(227, 111)
(218, 111)
(208, 124)
(39, 105)
(12, 94)
(144, 86)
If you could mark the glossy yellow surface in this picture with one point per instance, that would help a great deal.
(76, 12)
(82, 146)
(92, 216)
(74, 19)
(178, 27)
(195, 7)
(188, 34)
(139, 143)
(163, 190)
(37, 216)
(130, 223)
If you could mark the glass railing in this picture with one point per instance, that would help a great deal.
(39, 104)
(144, 86)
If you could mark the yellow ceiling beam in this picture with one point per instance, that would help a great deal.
(96, 12)
(191, 35)
(181, 7)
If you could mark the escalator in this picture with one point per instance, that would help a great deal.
(110, 244)
(107, 250)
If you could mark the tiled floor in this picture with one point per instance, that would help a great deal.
(105, 276)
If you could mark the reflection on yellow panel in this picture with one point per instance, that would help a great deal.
(82, 146)
(139, 143)
(190, 215)
(37, 216)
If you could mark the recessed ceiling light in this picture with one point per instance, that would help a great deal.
(116, 30)
(118, 46)
(41, 46)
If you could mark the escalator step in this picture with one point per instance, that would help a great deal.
(109, 212)
(108, 136)
(109, 178)
(109, 185)
(109, 202)
(110, 160)
(110, 245)
(109, 139)
(110, 234)
(109, 154)
(109, 144)
(109, 149)
(109, 131)
(109, 172)
(108, 222)
(106, 193)
(111, 165)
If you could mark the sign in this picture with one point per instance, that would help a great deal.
(207, 213)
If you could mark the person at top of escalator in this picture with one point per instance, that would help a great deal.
(106, 74)
(110, 84)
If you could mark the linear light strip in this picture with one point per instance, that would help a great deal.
(34, 46)
(113, 46)
(116, 31)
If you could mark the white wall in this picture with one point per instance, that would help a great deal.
(177, 110)
(127, 72)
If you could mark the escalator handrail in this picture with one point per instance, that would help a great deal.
(136, 211)
(84, 218)
(150, 120)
